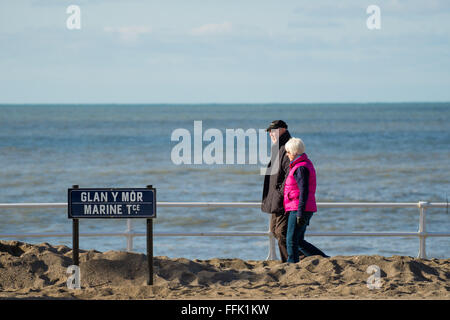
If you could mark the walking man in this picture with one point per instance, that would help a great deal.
(272, 198)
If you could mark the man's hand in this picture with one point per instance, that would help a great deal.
(301, 221)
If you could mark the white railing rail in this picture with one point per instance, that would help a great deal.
(129, 234)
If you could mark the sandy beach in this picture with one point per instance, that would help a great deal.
(30, 271)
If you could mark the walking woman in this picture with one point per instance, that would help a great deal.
(299, 200)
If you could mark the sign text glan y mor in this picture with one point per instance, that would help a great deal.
(112, 203)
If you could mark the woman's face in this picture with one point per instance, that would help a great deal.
(290, 155)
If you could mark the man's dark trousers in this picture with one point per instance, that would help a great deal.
(278, 227)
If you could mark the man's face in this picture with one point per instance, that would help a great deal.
(276, 133)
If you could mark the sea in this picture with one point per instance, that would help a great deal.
(362, 152)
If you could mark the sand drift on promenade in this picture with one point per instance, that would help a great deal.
(39, 271)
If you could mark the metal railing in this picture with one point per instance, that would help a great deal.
(129, 234)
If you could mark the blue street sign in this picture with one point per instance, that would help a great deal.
(112, 203)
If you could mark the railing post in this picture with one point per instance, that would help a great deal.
(129, 235)
(272, 255)
(272, 251)
(422, 230)
(75, 238)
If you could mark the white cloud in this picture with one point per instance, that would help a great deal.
(212, 29)
(129, 33)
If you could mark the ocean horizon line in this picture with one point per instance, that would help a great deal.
(213, 103)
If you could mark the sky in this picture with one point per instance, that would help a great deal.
(225, 51)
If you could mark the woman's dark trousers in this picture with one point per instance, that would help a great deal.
(295, 239)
